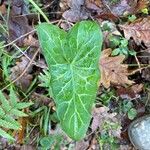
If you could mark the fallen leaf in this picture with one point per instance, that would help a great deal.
(76, 12)
(112, 69)
(81, 145)
(31, 41)
(101, 116)
(94, 144)
(66, 26)
(120, 7)
(141, 5)
(146, 74)
(111, 9)
(139, 30)
(63, 4)
(94, 4)
(98, 3)
(3, 9)
(41, 99)
(130, 92)
(127, 147)
(18, 24)
(99, 10)
(25, 81)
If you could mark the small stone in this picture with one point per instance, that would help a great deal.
(139, 133)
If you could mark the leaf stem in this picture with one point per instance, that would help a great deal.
(39, 10)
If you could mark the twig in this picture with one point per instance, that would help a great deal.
(24, 71)
(23, 52)
(138, 70)
(138, 62)
(18, 39)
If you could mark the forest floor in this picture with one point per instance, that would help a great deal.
(124, 87)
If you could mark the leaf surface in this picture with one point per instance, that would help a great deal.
(73, 64)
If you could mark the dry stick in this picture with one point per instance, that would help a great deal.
(24, 71)
(23, 53)
(138, 70)
(138, 62)
(18, 39)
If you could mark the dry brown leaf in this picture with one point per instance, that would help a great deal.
(81, 145)
(93, 3)
(18, 22)
(131, 92)
(127, 147)
(101, 115)
(63, 4)
(112, 70)
(76, 12)
(98, 8)
(146, 74)
(31, 41)
(3, 9)
(25, 81)
(115, 8)
(120, 7)
(139, 30)
(141, 5)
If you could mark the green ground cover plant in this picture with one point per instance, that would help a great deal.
(72, 59)
(10, 111)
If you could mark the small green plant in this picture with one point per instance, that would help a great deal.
(10, 110)
(120, 46)
(45, 79)
(107, 26)
(132, 18)
(107, 140)
(145, 11)
(72, 59)
(129, 109)
(51, 141)
(106, 97)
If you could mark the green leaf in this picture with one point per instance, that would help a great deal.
(124, 43)
(9, 125)
(5, 103)
(11, 120)
(18, 113)
(47, 142)
(116, 51)
(45, 78)
(132, 18)
(2, 112)
(13, 98)
(46, 125)
(9, 113)
(5, 134)
(23, 105)
(132, 113)
(127, 105)
(72, 59)
(132, 52)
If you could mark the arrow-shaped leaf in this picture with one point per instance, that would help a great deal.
(72, 59)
